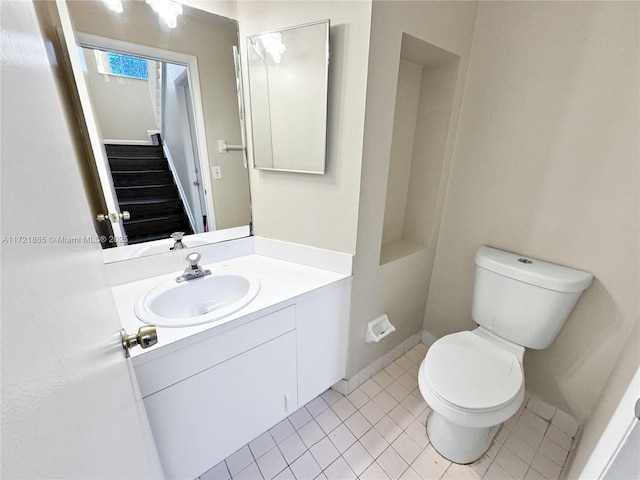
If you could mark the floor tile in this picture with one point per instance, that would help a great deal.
(357, 424)
(239, 460)
(251, 472)
(358, 458)
(374, 442)
(324, 452)
(541, 408)
(343, 408)
(401, 416)
(388, 429)
(565, 422)
(415, 356)
(317, 406)
(374, 472)
(496, 472)
(426, 467)
(292, 447)
(285, 474)
(481, 465)
(311, 433)
(271, 463)
(514, 465)
(219, 472)
(282, 430)
(418, 433)
(328, 420)
(300, 417)
(262, 445)
(342, 438)
(462, 472)
(397, 391)
(305, 467)
(405, 362)
(383, 379)
(370, 388)
(394, 370)
(331, 396)
(558, 437)
(521, 448)
(440, 460)
(553, 451)
(385, 401)
(339, 470)
(546, 466)
(392, 463)
(539, 424)
(372, 412)
(406, 447)
(408, 381)
(358, 398)
(409, 474)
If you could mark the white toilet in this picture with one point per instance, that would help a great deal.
(474, 380)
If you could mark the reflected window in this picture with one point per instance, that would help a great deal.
(110, 63)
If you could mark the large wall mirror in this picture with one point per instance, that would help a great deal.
(288, 82)
(160, 93)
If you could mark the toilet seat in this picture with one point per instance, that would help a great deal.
(472, 374)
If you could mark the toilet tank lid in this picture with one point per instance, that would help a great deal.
(532, 271)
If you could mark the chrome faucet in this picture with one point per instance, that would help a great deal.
(177, 241)
(193, 270)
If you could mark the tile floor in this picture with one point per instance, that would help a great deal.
(378, 432)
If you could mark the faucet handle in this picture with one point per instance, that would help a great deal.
(193, 258)
(177, 236)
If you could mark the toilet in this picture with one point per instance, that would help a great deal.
(474, 380)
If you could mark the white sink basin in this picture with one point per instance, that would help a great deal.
(196, 301)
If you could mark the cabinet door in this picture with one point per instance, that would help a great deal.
(201, 420)
(322, 329)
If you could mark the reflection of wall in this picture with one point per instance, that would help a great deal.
(546, 164)
(312, 209)
(297, 88)
(123, 105)
(210, 39)
(177, 137)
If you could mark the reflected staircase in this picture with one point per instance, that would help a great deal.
(146, 188)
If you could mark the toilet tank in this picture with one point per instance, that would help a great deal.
(524, 300)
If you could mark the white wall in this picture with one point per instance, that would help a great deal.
(546, 164)
(400, 287)
(317, 210)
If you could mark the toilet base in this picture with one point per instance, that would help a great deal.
(457, 443)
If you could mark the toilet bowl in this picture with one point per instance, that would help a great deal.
(474, 380)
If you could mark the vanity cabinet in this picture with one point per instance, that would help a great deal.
(208, 399)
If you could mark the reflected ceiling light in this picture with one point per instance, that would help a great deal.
(168, 10)
(272, 43)
(115, 5)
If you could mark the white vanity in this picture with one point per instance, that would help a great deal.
(212, 388)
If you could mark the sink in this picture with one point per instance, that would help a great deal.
(196, 301)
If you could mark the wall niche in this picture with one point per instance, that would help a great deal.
(427, 77)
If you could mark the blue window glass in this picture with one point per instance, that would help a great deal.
(128, 66)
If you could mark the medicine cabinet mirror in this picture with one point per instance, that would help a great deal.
(161, 101)
(288, 84)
